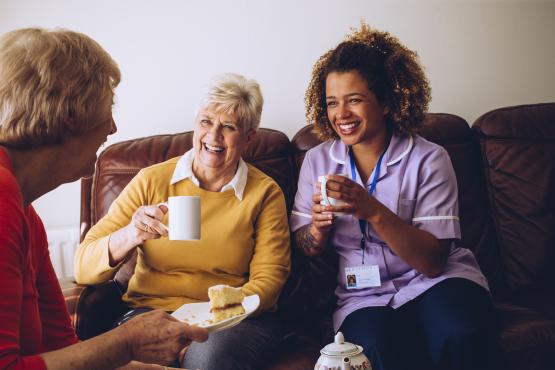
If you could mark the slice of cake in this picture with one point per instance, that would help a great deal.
(225, 302)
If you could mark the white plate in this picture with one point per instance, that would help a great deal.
(199, 314)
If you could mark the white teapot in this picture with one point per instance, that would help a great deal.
(341, 355)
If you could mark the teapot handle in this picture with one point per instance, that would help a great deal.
(346, 363)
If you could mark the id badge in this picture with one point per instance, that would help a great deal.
(365, 276)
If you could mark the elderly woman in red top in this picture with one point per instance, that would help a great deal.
(56, 94)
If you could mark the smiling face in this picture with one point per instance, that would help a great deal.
(353, 110)
(219, 140)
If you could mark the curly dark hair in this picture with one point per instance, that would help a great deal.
(392, 72)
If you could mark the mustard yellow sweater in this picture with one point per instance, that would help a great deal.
(243, 243)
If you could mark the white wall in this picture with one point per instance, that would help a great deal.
(479, 55)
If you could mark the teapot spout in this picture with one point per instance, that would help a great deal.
(346, 363)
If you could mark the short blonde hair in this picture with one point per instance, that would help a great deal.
(52, 85)
(234, 94)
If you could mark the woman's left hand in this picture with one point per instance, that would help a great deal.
(358, 201)
(135, 365)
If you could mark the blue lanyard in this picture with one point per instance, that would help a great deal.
(362, 223)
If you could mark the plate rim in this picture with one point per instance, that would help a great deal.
(223, 324)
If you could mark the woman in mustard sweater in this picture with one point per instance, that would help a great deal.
(245, 237)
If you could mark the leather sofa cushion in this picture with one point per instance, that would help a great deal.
(518, 144)
(526, 334)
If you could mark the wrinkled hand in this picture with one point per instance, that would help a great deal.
(135, 365)
(358, 202)
(146, 224)
(156, 337)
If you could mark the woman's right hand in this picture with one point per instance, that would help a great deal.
(146, 223)
(156, 337)
(322, 218)
(313, 237)
(147, 340)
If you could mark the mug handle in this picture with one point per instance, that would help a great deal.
(324, 192)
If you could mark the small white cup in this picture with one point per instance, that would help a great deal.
(329, 201)
(184, 217)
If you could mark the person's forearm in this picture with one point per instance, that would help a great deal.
(418, 248)
(106, 351)
(310, 240)
(119, 246)
(135, 365)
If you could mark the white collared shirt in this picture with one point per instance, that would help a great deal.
(184, 170)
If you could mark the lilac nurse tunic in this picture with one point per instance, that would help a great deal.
(417, 182)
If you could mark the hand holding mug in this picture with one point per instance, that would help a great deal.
(147, 223)
(329, 200)
(352, 198)
(323, 210)
(322, 218)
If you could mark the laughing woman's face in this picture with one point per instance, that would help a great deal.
(353, 110)
(219, 140)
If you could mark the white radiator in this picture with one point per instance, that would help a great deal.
(62, 243)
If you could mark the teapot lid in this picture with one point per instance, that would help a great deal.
(341, 348)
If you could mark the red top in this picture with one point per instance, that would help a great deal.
(33, 314)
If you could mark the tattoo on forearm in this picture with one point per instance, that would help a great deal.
(304, 238)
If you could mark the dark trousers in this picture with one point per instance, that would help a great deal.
(250, 345)
(449, 327)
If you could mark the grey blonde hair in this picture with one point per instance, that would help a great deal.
(234, 94)
(53, 84)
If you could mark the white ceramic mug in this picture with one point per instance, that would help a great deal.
(183, 217)
(329, 201)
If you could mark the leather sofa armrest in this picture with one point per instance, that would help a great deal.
(93, 308)
(72, 294)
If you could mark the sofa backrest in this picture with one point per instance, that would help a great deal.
(511, 150)
(518, 156)
(270, 151)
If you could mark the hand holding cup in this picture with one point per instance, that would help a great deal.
(328, 200)
(147, 223)
(324, 209)
(350, 198)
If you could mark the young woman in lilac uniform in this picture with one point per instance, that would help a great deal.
(419, 302)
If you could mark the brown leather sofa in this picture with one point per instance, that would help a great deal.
(505, 167)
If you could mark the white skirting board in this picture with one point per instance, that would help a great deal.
(62, 243)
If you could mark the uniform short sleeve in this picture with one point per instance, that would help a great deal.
(302, 207)
(436, 209)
